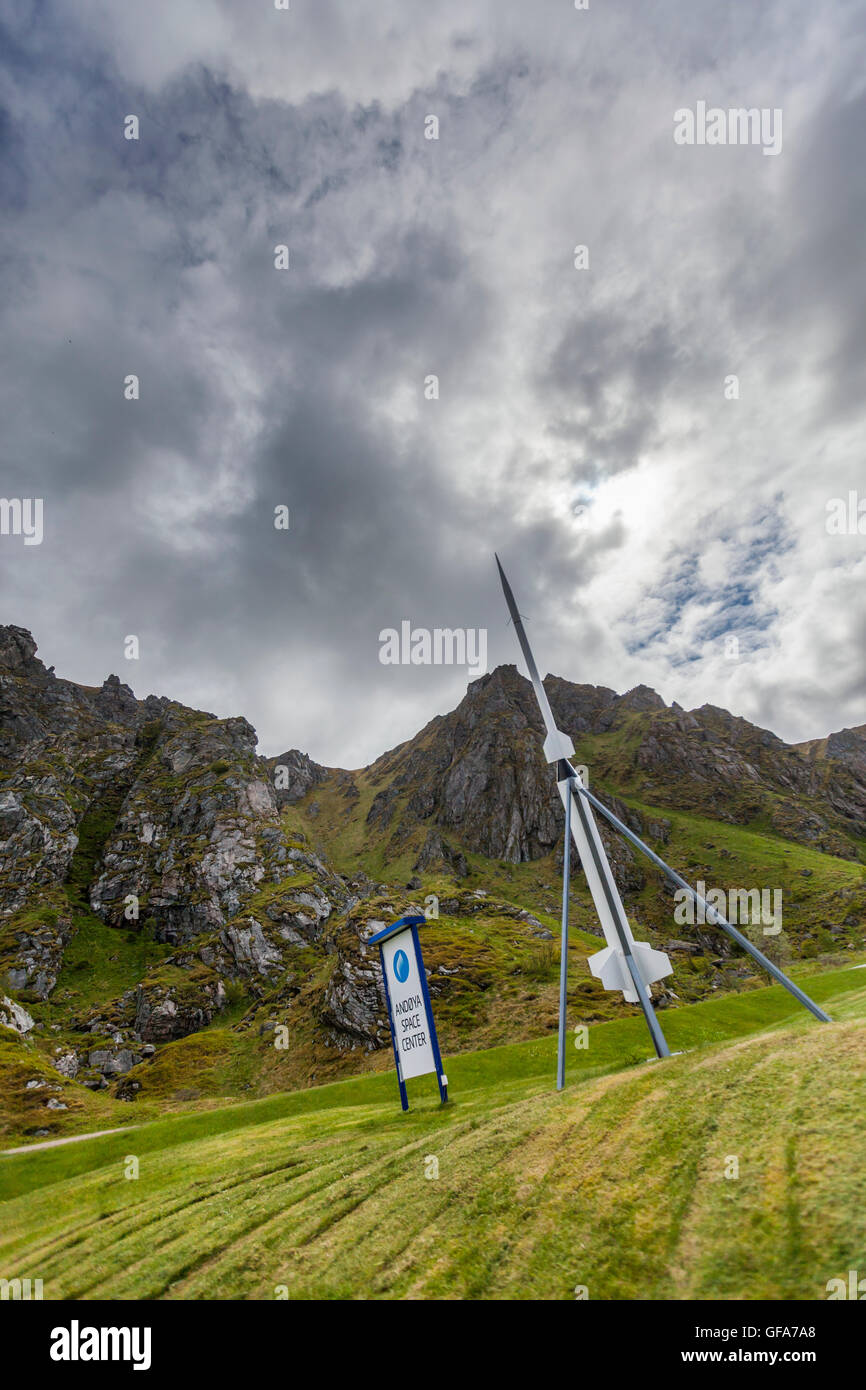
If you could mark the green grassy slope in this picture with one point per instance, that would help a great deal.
(618, 1184)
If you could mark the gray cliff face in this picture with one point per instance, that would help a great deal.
(477, 772)
(197, 834)
(136, 806)
(65, 750)
(37, 838)
(480, 771)
(34, 954)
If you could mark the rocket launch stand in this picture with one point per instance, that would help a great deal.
(624, 964)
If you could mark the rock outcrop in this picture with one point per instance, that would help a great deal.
(197, 834)
(164, 1012)
(293, 775)
(13, 1016)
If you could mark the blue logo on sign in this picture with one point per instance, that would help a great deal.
(401, 966)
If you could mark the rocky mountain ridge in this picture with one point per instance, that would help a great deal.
(157, 875)
(478, 771)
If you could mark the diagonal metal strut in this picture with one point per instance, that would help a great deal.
(713, 916)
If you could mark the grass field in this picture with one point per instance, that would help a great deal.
(617, 1185)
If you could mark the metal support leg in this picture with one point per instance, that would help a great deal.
(619, 921)
(658, 1037)
(563, 955)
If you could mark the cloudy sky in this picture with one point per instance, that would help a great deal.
(582, 428)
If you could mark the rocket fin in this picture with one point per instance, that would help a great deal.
(653, 965)
(610, 967)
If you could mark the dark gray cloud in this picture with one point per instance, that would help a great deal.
(581, 427)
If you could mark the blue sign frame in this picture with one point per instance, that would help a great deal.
(411, 924)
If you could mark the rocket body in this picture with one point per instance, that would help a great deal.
(610, 965)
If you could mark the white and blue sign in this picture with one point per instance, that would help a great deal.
(413, 1032)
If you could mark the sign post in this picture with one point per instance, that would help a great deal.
(413, 1032)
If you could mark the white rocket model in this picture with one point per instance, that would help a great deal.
(625, 964)
(611, 965)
